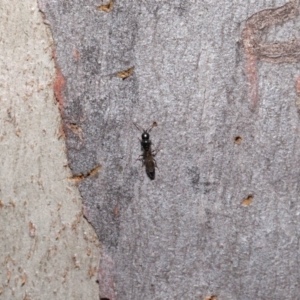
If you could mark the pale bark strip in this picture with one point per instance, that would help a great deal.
(48, 251)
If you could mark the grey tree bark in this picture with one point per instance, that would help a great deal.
(221, 79)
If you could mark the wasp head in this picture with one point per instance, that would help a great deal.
(145, 136)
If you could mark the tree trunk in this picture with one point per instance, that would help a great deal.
(221, 81)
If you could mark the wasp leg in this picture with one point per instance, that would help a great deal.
(154, 152)
(141, 159)
(155, 164)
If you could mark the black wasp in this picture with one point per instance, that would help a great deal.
(148, 155)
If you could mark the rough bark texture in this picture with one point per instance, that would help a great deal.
(221, 79)
(47, 249)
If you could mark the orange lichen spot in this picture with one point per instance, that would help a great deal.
(80, 177)
(212, 297)
(126, 73)
(1, 204)
(94, 171)
(247, 201)
(238, 140)
(106, 7)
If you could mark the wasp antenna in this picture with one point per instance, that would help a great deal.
(138, 127)
(154, 124)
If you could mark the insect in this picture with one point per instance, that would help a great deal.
(148, 155)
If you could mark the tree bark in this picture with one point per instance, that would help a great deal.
(48, 250)
(221, 80)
